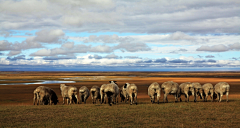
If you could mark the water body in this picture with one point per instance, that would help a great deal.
(42, 82)
(95, 78)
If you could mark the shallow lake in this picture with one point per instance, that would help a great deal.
(41, 82)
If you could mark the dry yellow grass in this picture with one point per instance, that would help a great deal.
(200, 114)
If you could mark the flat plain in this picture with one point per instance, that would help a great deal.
(17, 109)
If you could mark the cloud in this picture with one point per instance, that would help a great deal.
(80, 48)
(205, 61)
(68, 45)
(104, 39)
(29, 34)
(133, 47)
(42, 52)
(5, 45)
(115, 63)
(104, 4)
(71, 48)
(162, 60)
(112, 56)
(16, 58)
(95, 57)
(234, 58)
(81, 19)
(50, 36)
(147, 32)
(180, 50)
(120, 16)
(210, 56)
(12, 53)
(178, 61)
(200, 61)
(235, 46)
(214, 48)
(123, 43)
(181, 36)
(17, 47)
(212, 61)
(219, 47)
(101, 49)
(65, 49)
(26, 44)
(132, 57)
(5, 34)
(59, 57)
(147, 61)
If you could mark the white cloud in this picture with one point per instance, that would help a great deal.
(220, 47)
(24, 6)
(94, 4)
(59, 57)
(235, 46)
(42, 52)
(104, 39)
(70, 48)
(16, 58)
(210, 56)
(83, 18)
(26, 44)
(181, 36)
(120, 16)
(133, 47)
(101, 49)
(112, 56)
(50, 36)
(12, 53)
(167, 30)
(95, 57)
(5, 34)
(114, 61)
(5, 45)
(214, 48)
(68, 45)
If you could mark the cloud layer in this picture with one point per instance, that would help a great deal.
(112, 61)
(155, 34)
(121, 16)
(220, 47)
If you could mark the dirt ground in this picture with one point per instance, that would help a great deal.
(23, 94)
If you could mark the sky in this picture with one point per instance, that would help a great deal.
(119, 35)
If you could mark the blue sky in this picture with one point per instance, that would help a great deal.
(113, 35)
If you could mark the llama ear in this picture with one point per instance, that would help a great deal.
(125, 85)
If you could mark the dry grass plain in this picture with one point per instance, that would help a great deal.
(16, 109)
